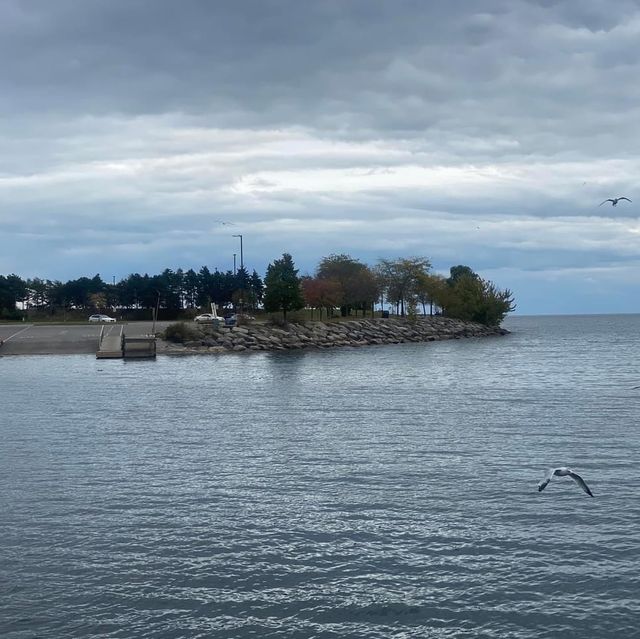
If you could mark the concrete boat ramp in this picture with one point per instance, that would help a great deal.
(121, 340)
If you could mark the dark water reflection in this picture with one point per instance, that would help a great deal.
(375, 492)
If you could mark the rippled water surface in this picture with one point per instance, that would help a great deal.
(376, 492)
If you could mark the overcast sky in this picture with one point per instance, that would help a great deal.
(474, 132)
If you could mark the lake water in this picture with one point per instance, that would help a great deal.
(384, 491)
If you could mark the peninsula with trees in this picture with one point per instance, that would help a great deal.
(344, 302)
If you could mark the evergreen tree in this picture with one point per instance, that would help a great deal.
(256, 288)
(12, 289)
(282, 287)
(401, 278)
(191, 286)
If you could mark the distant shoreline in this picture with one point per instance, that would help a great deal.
(63, 339)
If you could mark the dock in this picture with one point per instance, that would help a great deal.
(121, 346)
(110, 346)
(141, 347)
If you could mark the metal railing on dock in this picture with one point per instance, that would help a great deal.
(110, 346)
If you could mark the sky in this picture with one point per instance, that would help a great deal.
(139, 135)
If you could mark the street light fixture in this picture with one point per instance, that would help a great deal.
(242, 269)
(241, 260)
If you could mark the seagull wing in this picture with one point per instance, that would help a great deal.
(609, 200)
(624, 198)
(543, 484)
(580, 483)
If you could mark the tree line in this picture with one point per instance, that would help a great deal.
(170, 290)
(407, 284)
(341, 284)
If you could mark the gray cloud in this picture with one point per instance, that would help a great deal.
(374, 128)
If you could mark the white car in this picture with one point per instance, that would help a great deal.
(205, 317)
(101, 318)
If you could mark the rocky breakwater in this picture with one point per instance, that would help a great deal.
(320, 335)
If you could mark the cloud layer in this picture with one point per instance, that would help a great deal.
(132, 129)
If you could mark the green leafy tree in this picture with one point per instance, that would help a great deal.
(497, 303)
(430, 289)
(400, 278)
(282, 287)
(471, 298)
(460, 271)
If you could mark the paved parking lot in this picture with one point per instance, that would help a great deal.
(45, 339)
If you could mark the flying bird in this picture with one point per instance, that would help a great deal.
(564, 472)
(614, 200)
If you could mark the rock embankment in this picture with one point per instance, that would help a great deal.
(321, 335)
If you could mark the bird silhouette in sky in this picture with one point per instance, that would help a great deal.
(614, 200)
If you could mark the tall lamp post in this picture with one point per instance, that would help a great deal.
(241, 260)
(242, 269)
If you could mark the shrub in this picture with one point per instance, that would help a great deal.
(181, 332)
(412, 311)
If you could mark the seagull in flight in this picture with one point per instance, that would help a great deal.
(614, 200)
(563, 471)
